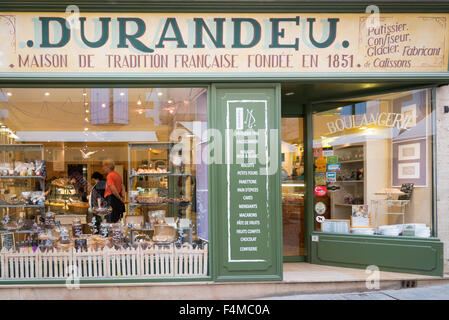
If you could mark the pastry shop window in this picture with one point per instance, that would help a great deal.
(373, 166)
(108, 182)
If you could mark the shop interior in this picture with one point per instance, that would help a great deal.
(370, 177)
(54, 140)
(54, 144)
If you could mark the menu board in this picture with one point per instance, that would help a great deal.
(8, 241)
(248, 197)
(248, 202)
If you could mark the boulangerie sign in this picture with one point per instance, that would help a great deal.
(237, 43)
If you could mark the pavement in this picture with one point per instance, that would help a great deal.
(440, 292)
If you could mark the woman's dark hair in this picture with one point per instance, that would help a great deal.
(97, 175)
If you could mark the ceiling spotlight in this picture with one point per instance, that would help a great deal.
(122, 94)
(171, 111)
(86, 119)
(103, 105)
(170, 101)
(9, 94)
(159, 94)
(84, 94)
(140, 111)
(86, 103)
(85, 129)
(289, 93)
(47, 93)
(139, 102)
(87, 110)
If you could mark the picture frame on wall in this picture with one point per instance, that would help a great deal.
(408, 170)
(409, 151)
(409, 146)
(409, 163)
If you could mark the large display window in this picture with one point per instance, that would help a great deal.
(103, 183)
(373, 166)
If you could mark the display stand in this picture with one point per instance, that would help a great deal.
(388, 207)
(155, 183)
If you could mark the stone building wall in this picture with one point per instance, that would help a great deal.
(442, 159)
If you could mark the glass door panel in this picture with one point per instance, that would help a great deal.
(293, 187)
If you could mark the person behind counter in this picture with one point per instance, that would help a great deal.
(98, 190)
(114, 192)
(96, 196)
(80, 184)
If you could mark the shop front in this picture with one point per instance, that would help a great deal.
(160, 144)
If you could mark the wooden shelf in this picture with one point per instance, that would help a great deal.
(352, 161)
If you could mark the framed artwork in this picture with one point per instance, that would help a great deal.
(409, 163)
(408, 170)
(409, 144)
(409, 151)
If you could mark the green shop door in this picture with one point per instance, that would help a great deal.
(245, 178)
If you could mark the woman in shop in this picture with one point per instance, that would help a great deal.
(96, 196)
(114, 191)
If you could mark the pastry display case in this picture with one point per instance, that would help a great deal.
(159, 181)
(22, 185)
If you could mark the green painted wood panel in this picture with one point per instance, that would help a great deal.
(400, 254)
(247, 230)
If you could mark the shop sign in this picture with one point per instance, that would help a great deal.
(332, 159)
(157, 44)
(328, 151)
(320, 164)
(248, 193)
(382, 119)
(320, 207)
(334, 167)
(320, 191)
(331, 177)
(320, 219)
(333, 188)
(320, 178)
(8, 241)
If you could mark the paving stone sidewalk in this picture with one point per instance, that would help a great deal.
(425, 293)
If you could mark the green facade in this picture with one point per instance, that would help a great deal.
(409, 255)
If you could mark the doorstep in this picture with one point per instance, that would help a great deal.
(299, 278)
